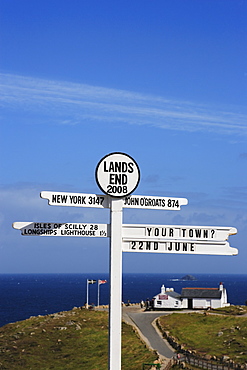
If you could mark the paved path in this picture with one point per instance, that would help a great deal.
(143, 320)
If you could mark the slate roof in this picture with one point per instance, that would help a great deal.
(201, 293)
(173, 294)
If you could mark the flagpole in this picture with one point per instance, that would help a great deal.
(87, 295)
(98, 293)
(89, 281)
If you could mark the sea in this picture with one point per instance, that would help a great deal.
(25, 295)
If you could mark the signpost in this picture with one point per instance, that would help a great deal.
(118, 175)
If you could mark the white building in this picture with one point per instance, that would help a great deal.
(203, 298)
(167, 299)
(190, 298)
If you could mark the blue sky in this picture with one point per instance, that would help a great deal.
(163, 81)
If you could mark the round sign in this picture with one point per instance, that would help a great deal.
(117, 175)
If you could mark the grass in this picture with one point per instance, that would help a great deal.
(76, 339)
(231, 310)
(215, 335)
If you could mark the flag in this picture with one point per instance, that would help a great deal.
(102, 281)
(91, 281)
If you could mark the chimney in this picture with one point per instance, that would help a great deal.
(163, 289)
(221, 286)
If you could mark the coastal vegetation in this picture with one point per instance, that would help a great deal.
(219, 337)
(76, 339)
(230, 310)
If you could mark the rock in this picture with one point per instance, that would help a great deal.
(188, 277)
(225, 358)
(220, 333)
(70, 323)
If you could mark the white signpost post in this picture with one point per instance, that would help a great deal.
(118, 175)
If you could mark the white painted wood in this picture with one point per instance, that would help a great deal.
(62, 229)
(159, 232)
(58, 198)
(178, 247)
(115, 309)
(117, 174)
(154, 202)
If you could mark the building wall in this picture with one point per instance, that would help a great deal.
(170, 302)
(202, 303)
(206, 303)
(224, 299)
(184, 303)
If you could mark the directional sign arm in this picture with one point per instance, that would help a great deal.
(159, 232)
(62, 229)
(154, 202)
(178, 247)
(178, 239)
(56, 198)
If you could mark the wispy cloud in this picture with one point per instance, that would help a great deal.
(73, 104)
(243, 155)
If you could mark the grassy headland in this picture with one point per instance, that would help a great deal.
(76, 339)
(209, 334)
